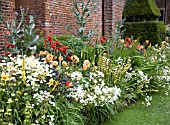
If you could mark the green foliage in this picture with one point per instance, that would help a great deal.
(141, 10)
(167, 30)
(96, 114)
(24, 37)
(82, 11)
(151, 30)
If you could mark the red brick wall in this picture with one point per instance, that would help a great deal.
(113, 10)
(36, 8)
(52, 16)
(117, 7)
(96, 18)
(8, 12)
(108, 18)
(58, 16)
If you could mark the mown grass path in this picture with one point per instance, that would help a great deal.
(138, 114)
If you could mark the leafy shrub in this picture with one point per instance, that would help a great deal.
(22, 38)
(151, 30)
(141, 10)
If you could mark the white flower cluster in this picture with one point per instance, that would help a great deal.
(139, 76)
(119, 61)
(94, 91)
(76, 76)
(148, 100)
(36, 71)
(165, 74)
(143, 77)
(161, 53)
(96, 77)
(43, 96)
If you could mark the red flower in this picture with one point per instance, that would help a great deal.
(12, 46)
(45, 45)
(7, 45)
(127, 44)
(128, 39)
(12, 56)
(68, 58)
(50, 39)
(56, 42)
(167, 40)
(63, 49)
(53, 46)
(102, 39)
(69, 84)
(7, 53)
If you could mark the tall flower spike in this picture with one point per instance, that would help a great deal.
(101, 63)
(23, 71)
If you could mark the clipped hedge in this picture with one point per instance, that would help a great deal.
(141, 10)
(154, 31)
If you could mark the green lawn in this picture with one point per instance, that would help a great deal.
(138, 114)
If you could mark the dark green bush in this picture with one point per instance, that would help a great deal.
(154, 31)
(141, 10)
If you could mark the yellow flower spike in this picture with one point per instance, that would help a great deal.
(46, 52)
(76, 60)
(23, 71)
(58, 83)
